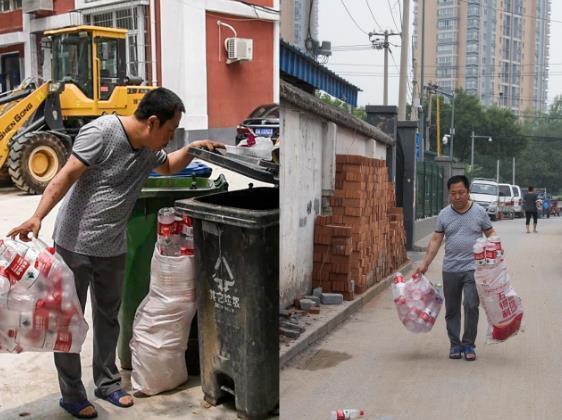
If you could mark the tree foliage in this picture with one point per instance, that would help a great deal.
(358, 112)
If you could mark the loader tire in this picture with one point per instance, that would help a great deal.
(34, 160)
(5, 180)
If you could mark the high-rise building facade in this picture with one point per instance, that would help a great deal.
(494, 49)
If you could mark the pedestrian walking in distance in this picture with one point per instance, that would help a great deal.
(530, 205)
(461, 223)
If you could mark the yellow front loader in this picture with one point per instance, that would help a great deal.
(38, 124)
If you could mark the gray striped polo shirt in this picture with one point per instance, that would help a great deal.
(92, 219)
(461, 232)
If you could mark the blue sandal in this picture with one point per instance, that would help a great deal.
(469, 353)
(455, 352)
(76, 407)
(114, 397)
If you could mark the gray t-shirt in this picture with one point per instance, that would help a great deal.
(461, 232)
(92, 219)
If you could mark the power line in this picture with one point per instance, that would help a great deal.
(373, 15)
(400, 15)
(479, 76)
(351, 17)
(392, 15)
(441, 66)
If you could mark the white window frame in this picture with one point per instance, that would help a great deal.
(140, 34)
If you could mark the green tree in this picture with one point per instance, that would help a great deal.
(539, 164)
(358, 112)
(498, 123)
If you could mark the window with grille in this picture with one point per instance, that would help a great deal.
(133, 19)
(9, 5)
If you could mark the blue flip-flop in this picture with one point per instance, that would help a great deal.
(75, 407)
(114, 397)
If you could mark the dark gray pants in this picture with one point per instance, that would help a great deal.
(454, 285)
(104, 275)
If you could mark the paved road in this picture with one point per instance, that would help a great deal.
(28, 381)
(373, 362)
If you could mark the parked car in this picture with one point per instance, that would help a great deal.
(486, 193)
(518, 201)
(507, 195)
(262, 122)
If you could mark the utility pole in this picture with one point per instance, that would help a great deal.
(403, 86)
(385, 91)
(379, 45)
(513, 173)
(422, 116)
(415, 100)
(438, 123)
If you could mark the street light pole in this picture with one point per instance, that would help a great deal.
(452, 129)
(471, 151)
(472, 137)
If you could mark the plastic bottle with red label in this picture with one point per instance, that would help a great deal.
(166, 234)
(347, 414)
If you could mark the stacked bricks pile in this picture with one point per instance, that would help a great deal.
(363, 241)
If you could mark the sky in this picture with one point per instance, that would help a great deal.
(363, 66)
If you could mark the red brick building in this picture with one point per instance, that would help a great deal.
(179, 44)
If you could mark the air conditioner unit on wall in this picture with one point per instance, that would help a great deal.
(33, 6)
(239, 49)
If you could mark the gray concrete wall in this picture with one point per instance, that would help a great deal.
(312, 133)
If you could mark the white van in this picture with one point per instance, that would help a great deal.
(518, 201)
(486, 193)
(507, 194)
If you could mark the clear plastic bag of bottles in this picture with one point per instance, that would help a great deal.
(501, 303)
(39, 307)
(417, 301)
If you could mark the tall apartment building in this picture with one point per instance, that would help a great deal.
(494, 49)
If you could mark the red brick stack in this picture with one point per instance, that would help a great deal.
(373, 244)
(332, 256)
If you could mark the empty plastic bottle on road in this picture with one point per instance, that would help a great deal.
(347, 414)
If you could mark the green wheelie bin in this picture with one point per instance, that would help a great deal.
(157, 192)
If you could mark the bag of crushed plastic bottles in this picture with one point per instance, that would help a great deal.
(39, 307)
(162, 323)
(417, 301)
(502, 305)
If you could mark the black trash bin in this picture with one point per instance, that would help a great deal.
(237, 264)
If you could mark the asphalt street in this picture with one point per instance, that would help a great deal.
(372, 362)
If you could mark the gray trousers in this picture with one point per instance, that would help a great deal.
(454, 285)
(104, 275)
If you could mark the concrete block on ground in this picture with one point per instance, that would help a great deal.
(332, 298)
(306, 304)
(289, 333)
(316, 299)
(317, 292)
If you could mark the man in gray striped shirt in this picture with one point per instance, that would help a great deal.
(461, 224)
(111, 158)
